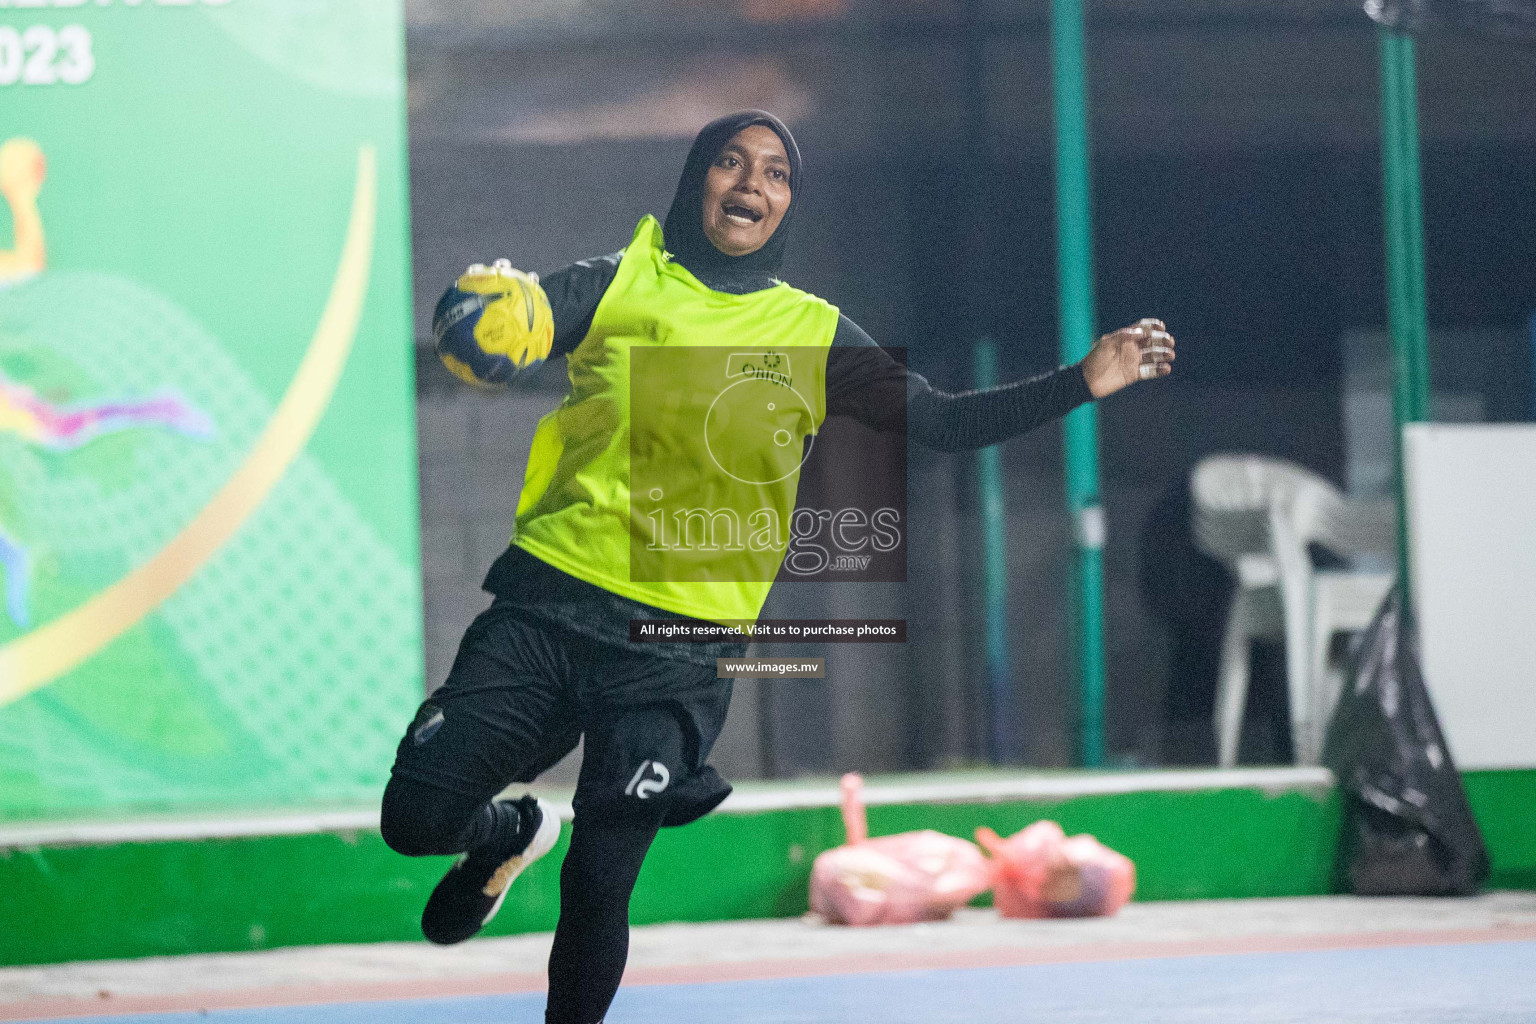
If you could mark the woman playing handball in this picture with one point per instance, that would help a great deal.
(551, 661)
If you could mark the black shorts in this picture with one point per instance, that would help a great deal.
(523, 691)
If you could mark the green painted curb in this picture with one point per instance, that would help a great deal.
(161, 898)
(1504, 803)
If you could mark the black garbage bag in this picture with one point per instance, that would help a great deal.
(1408, 829)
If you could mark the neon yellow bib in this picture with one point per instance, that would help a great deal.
(669, 473)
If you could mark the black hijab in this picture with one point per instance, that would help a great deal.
(684, 228)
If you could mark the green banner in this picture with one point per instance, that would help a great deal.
(208, 532)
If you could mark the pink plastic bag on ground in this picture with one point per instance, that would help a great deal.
(1039, 872)
(914, 876)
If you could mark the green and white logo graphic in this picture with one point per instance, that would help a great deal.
(207, 479)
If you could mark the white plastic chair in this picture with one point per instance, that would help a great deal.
(1258, 516)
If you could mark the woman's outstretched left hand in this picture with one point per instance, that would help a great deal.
(1143, 351)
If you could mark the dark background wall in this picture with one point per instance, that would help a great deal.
(1236, 194)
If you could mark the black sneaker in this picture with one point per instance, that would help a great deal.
(471, 892)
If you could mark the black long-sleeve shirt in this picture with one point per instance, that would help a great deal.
(863, 381)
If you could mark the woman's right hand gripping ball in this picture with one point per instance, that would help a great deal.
(492, 324)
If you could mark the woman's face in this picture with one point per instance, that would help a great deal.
(746, 191)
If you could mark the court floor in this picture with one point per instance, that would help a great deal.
(1264, 961)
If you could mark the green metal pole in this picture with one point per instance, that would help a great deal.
(1074, 269)
(994, 541)
(1403, 215)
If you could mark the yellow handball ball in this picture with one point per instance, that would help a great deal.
(492, 324)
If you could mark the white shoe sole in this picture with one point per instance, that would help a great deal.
(543, 841)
